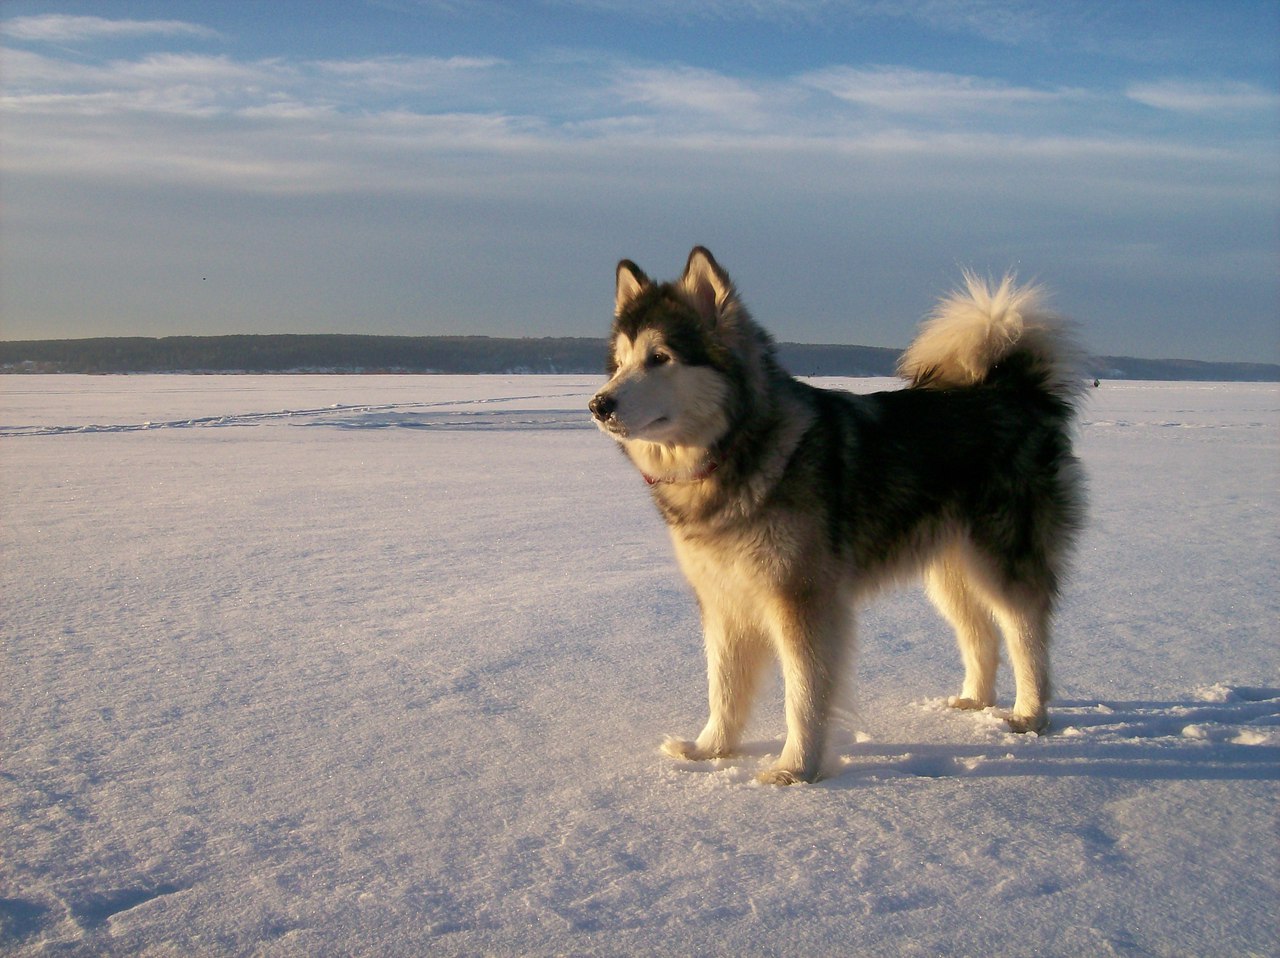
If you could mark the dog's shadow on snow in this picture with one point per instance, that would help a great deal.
(1230, 734)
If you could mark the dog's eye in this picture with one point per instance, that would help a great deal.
(658, 358)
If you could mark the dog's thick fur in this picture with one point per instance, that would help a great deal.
(787, 504)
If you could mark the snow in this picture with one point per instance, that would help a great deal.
(380, 666)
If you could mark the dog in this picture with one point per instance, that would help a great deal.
(788, 504)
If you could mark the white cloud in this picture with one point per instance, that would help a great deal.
(1187, 97)
(690, 90)
(284, 108)
(160, 83)
(898, 90)
(403, 123)
(60, 28)
(1016, 22)
(401, 72)
(1006, 21)
(166, 68)
(219, 83)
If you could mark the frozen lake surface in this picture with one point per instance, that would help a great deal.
(380, 665)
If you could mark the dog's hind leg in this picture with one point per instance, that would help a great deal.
(735, 658)
(946, 582)
(1020, 601)
(1025, 623)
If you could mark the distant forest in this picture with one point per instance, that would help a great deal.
(482, 354)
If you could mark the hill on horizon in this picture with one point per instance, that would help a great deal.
(347, 353)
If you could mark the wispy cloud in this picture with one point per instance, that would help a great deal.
(686, 90)
(1012, 22)
(171, 83)
(900, 90)
(206, 85)
(1006, 21)
(375, 122)
(681, 11)
(61, 28)
(1204, 98)
(401, 73)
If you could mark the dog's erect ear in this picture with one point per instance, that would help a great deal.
(706, 283)
(631, 281)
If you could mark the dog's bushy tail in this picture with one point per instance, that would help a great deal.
(986, 332)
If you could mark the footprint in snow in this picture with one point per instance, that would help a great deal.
(1217, 732)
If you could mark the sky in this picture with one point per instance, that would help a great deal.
(424, 167)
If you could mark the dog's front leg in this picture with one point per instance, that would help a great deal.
(735, 657)
(811, 637)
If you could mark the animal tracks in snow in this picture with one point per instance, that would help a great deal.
(472, 414)
(1217, 715)
(1218, 732)
(23, 920)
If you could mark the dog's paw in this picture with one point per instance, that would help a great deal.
(786, 776)
(1023, 724)
(679, 748)
(968, 705)
(687, 751)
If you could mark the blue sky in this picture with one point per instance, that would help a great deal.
(472, 166)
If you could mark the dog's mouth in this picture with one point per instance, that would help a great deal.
(618, 429)
(653, 430)
(612, 427)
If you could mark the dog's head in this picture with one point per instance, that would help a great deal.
(669, 355)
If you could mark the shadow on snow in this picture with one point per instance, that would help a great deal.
(1236, 738)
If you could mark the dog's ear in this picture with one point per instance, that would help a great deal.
(631, 282)
(706, 283)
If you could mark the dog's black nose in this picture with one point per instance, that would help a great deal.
(602, 406)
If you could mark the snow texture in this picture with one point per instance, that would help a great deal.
(380, 666)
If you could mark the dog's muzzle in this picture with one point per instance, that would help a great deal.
(603, 406)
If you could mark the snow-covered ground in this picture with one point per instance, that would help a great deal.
(379, 666)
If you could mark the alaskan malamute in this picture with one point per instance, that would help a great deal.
(787, 503)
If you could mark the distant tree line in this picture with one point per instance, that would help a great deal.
(306, 353)
(483, 354)
(375, 354)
